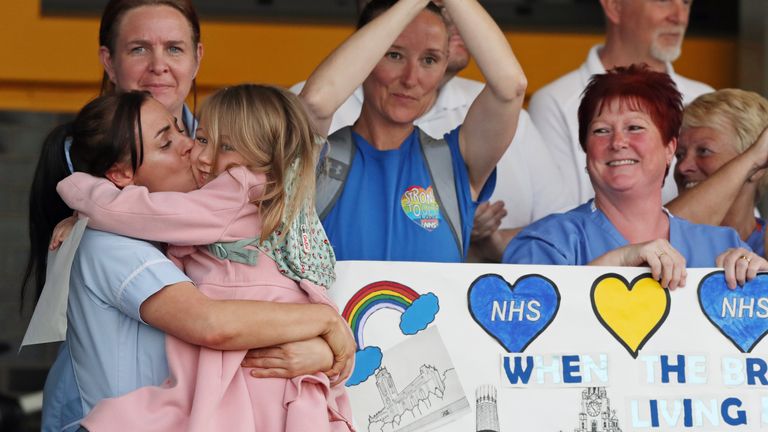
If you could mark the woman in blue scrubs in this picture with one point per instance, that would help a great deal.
(629, 120)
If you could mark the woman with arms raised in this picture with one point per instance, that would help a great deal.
(629, 119)
(389, 203)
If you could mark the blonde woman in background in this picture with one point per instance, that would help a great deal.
(718, 128)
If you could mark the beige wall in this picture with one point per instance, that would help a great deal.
(50, 63)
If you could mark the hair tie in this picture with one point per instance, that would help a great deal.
(67, 146)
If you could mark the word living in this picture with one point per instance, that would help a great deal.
(577, 370)
(697, 413)
(510, 310)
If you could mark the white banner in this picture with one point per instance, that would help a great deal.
(471, 347)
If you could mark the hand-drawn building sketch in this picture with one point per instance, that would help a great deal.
(596, 414)
(417, 395)
(416, 388)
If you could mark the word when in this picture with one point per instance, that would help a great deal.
(536, 370)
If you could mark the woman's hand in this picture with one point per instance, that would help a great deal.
(339, 338)
(740, 266)
(290, 360)
(666, 263)
(61, 231)
(487, 220)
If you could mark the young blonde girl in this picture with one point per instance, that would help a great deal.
(251, 232)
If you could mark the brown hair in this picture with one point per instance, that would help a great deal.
(106, 131)
(374, 8)
(113, 14)
(269, 128)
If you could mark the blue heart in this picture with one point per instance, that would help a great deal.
(719, 304)
(492, 300)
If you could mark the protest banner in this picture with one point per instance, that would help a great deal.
(471, 347)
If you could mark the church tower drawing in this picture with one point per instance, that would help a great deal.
(596, 414)
(415, 397)
(386, 386)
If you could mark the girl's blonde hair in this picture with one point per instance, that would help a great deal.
(268, 126)
(744, 111)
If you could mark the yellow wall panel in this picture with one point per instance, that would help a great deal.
(51, 64)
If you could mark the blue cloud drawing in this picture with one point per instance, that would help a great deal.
(418, 316)
(366, 362)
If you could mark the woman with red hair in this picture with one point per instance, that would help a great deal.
(629, 119)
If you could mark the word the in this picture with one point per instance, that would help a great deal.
(677, 369)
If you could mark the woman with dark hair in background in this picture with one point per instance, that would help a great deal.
(153, 46)
(145, 45)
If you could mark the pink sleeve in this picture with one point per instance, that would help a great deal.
(194, 218)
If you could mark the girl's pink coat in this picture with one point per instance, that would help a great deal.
(207, 389)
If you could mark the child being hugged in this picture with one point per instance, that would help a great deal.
(251, 232)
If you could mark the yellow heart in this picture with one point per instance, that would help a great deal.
(631, 312)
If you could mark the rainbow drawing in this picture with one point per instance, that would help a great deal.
(374, 297)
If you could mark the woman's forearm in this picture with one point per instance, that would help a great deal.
(709, 201)
(334, 80)
(181, 310)
(486, 42)
(492, 119)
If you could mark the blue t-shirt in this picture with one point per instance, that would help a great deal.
(585, 233)
(109, 350)
(388, 212)
(756, 240)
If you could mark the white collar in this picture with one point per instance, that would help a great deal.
(595, 66)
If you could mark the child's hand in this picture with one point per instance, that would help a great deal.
(61, 232)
